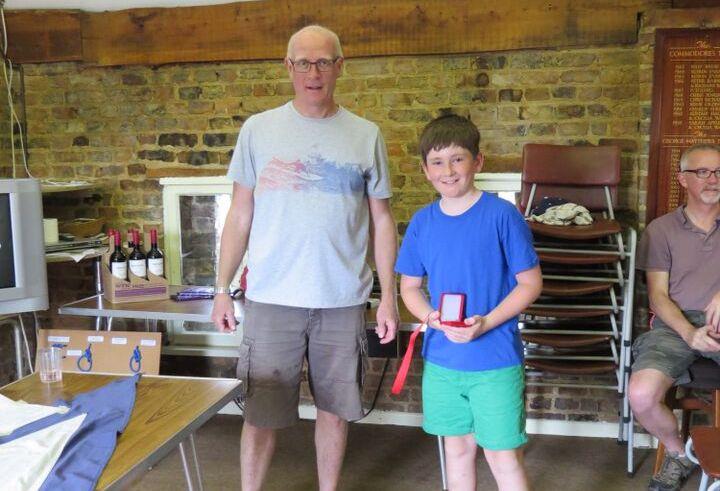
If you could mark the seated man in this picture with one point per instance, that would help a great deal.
(680, 252)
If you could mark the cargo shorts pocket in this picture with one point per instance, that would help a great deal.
(243, 369)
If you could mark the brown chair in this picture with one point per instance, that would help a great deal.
(703, 448)
(586, 175)
(704, 375)
(582, 322)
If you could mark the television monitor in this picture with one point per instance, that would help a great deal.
(23, 277)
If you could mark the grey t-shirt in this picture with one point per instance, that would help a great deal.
(311, 179)
(691, 256)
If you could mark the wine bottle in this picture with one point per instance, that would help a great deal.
(136, 261)
(155, 259)
(118, 260)
(130, 240)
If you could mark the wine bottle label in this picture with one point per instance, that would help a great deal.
(119, 270)
(137, 267)
(156, 266)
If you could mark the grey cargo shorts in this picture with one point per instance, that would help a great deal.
(276, 341)
(661, 348)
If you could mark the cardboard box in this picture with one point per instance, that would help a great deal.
(135, 290)
(110, 351)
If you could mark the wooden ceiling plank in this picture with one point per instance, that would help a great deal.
(43, 36)
(259, 30)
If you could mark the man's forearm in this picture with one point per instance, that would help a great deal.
(232, 250)
(671, 315)
(384, 246)
(234, 239)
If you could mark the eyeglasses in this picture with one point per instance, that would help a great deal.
(323, 64)
(704, 173)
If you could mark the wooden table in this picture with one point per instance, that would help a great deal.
(166, 413)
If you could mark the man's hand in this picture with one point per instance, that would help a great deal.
(223, 313)
(704, 339)
(475, 328)
(387, 321)
(712, 313)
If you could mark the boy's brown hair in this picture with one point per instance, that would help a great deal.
(447, 130)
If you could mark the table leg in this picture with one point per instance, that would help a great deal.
(186, 469)
(197, 462)
(18, 349)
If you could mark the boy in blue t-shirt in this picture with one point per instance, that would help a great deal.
(477, 244)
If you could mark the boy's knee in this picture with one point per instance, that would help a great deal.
(460, 447)
(503, 461)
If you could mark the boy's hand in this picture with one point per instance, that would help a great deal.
(475, 328)
(433, 320)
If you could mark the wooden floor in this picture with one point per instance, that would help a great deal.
(400, 458)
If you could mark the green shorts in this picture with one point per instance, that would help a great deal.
(488, 403)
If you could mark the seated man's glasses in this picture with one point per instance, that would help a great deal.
(704, 173)
(323, 64)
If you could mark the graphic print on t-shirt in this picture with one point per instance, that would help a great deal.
(318, 174)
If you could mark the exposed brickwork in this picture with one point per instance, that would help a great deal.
(138, 122)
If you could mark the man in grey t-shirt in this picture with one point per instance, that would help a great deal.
(310, 181)
(680, 253)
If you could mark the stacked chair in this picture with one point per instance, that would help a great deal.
(581, 326)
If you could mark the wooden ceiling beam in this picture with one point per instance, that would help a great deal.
(259, 30)
(36, 36)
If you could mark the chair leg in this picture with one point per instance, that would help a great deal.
(443, 468)
(631, 446)
(659, 456)
(703, 482)
(685, 424)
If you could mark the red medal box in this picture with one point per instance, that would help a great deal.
(452, 309)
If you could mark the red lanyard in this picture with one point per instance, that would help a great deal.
(399, 382)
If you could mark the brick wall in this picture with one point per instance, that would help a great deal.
(129, 126)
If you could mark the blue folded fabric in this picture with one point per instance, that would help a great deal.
(88, 451)
(194, 293)
(199, 293)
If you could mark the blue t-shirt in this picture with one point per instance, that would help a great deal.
(477, 253)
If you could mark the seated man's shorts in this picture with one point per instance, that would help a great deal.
(276, 340)
(661, 348)
(488, 403)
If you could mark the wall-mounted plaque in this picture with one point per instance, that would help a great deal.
(685, 108)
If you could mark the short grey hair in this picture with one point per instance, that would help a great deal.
(685, 157)
(318, 30)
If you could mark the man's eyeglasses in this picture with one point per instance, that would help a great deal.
(323, 64)
(704, 173)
